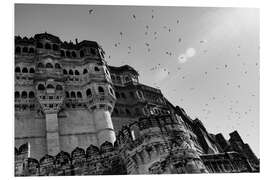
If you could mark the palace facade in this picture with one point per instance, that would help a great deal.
(77, 115)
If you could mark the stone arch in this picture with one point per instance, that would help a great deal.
(40, 65)
(64, 71)
(92, 151)
(106, 147)
(31, 50)
(62, 53)
(77, 72)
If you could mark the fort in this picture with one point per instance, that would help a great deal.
(77, 115)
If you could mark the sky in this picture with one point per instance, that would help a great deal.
(205, 60)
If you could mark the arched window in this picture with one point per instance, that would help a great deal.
(73, 54)
(113, 77)
(123, 95)
(18, 50)
(25, 70)
(31, 50)
(67, 53)
(31, 94)
(79, 94)
(57, 66)
(77, 72)
(39, 45)
(70, 72)
(17, 95)
(81, 53)
(100, 89)
(55, 47)
(49, 86)
(96, 68)
(17, 69)
(24, 94)
(88, 92)
(25, 49)
(41, 87)
(85, 71)
(40, 65)
(62, 53)
(64, 71)
(47, 46)
(127, 79)
(49, 65)
(117, 95)
(59, 87)
(67, 94)
(32, 70)
(72, 94)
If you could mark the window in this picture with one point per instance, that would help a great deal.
(127, 79)
(49, 65)
(62, 53)
(68, 54)
(31, 50)
(32, 70)
(17, 95)
(40, 65)
(24, 94)
(18, 50)
(70, 72)
(64, 71)
(72, 95)
(39, 45)
(81, 53)
(47, 46)
(113, 77)
(41, 87)
(25, 49)
(100, 90)
(77, 72)
(131, 94)
(67, 94)
(57, 66)
(49, 86)
(55, 47)
(31, 94)
(17, 69)
(85, 71)
(25, 70)
(59, 87)
(73, 54)
(88, 92)
(96, 68)
(93, 51)
(79, 94)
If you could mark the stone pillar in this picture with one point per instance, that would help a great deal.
(104, 126)
(52, 134)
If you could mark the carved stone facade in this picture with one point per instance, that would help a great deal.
(80, 116)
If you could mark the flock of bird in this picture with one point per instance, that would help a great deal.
(148, 46)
